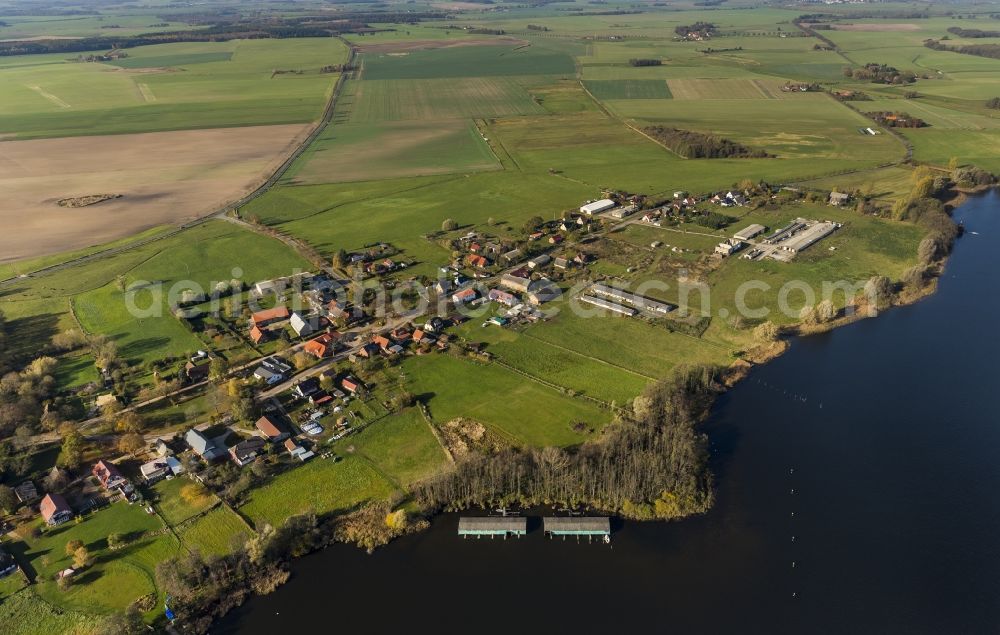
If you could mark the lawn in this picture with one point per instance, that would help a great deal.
(524, 411)
(177, 508)
(216, 533)
(401, 446)
(117, 577)
(320, 486)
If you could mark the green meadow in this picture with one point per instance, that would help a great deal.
(400, 446)
(523, 411)
(169, 87)
(320, 486)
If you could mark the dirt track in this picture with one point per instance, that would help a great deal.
(165, 177)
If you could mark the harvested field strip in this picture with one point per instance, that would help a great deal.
(146, 92)
(164, 61)
(55, 100)
(629, 89)
(727, 89)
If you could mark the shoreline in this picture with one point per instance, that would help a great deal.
(729, 377)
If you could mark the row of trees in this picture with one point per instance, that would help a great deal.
(696, 145)
(972, 33)
(982, 50)
(880, 74)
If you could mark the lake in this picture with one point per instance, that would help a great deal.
(858, 479)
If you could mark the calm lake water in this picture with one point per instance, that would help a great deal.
(858, 479)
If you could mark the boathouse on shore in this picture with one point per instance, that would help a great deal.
(502, 526)
(577, 526)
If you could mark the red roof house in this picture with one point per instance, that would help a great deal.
(256, 335)
(108, 475)
(320, 347)
(55, 510)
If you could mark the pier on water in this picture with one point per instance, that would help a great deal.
(492, 526)
(589, 527)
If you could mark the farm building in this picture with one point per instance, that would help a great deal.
(596, 207)
(749, 232)
(55, 510)
(839, 198)
(729, 247)
(303, 326)
(607, 304)
(808, 236)
(639, 302)
(203, 446)
(542, 291)
(515, 282)
(623, 212)
(269, 316)
(492, 526)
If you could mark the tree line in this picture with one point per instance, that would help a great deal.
(991, 51)
(696, 145)
(972, 33)
(652, 462)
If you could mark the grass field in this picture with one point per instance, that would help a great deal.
(472, 61)
(629, 89)
(174, 507)
(216, 251)
(321, 486)
(201, 85)
(521, 410)
(360, 152)
(25, 613)
(216, 533)
(435, 99)
(400, 446)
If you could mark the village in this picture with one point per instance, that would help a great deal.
(325, 342)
